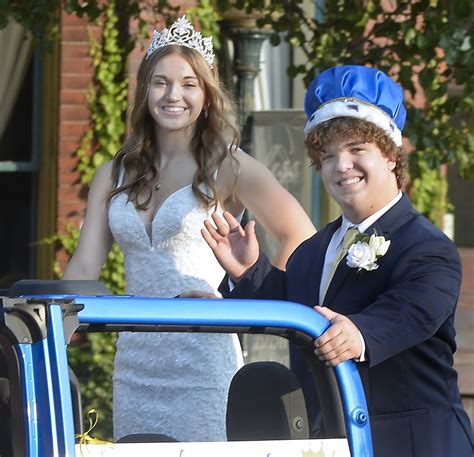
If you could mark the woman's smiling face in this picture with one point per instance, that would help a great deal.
(176, 97)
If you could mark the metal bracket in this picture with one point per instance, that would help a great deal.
(25, 319)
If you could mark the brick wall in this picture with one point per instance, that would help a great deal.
(75, 78)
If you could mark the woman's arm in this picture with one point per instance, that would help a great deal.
(279, 213)
(95, 240)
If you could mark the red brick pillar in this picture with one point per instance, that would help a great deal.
(75, 78)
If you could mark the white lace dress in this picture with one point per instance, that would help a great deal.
(170, 383)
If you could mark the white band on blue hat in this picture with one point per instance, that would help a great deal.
(352, 107)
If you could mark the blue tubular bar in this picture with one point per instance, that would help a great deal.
(47, 435)
(27, 369)
(355, 409)
(54, 434)
(127, 309)
(63, 428)
(134, 310)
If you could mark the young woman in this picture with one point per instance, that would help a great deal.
(180, 164)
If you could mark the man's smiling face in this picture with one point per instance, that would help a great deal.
(358, 176)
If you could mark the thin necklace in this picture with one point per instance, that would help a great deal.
(162, 177)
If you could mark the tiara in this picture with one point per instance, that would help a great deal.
(182, 33)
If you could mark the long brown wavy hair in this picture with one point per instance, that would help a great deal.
(217, 135)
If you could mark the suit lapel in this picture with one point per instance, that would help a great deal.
(317, 263)
(393, 219)
(387, 224)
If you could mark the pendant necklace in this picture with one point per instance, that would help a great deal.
(162, 177)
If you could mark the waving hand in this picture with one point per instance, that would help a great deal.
(235, 249)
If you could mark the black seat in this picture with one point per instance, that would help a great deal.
(146, 438)
(5, 417)
(5, 409)
(265, 402)
(76, 402)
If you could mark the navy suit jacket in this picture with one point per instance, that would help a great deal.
(405, 312)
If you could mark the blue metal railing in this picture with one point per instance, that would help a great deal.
(189, 315)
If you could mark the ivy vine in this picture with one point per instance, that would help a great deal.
(107, 99)
(208, 17)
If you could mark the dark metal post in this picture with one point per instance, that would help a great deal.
(247, 46)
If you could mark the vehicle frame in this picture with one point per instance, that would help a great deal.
(35, 330)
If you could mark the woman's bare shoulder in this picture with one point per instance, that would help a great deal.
(105, 169)
(232, 165)
(103, 178)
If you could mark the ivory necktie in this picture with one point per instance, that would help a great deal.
(349, 238)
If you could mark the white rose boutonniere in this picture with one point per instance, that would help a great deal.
(363, 254)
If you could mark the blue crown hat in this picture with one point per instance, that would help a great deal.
(356, 91)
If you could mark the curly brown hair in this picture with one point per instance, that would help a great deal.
(217, 135)
(344, 128)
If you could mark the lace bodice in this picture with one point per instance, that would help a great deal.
(175, 253)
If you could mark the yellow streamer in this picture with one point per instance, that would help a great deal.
(86, 438)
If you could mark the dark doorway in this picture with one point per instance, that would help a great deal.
(18, 169)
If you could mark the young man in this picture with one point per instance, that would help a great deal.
(391, 298)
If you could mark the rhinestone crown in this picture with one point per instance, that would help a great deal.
(183, 33)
